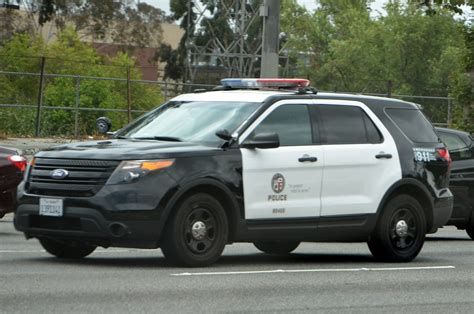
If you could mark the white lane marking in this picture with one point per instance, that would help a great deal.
(312, 270)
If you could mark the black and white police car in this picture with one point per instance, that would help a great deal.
(267, 161)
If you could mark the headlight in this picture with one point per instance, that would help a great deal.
(131, 170)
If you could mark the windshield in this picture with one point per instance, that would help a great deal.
(193, 121)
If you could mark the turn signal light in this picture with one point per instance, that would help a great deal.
(155, 165)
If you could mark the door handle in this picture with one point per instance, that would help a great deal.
(385, 156)
(307, 158)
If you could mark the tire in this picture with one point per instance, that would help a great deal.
(400, 231)
(197, 233)
(276, 247)
(470, 231)
(66, 249)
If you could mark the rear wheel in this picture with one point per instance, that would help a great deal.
(197, 233)
(276, 247)
(400, 231)
(470, 231)
(66, 249)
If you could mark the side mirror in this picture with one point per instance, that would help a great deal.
(262, 140)
(224, 134)
(103, 125)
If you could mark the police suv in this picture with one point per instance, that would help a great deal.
(267, 161)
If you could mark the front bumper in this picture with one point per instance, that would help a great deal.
(89, 225)
(7, 201)
(128, 215)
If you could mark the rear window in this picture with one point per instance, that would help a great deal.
(348, 125)
(414, 125)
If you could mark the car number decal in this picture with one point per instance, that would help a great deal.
(424, 154)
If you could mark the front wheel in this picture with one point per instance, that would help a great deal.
(66, 249)
(400, 231)
(197, 232)
(276, 247)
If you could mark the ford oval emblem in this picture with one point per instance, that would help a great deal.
(59, 174)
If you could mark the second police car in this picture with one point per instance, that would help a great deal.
(267, 161)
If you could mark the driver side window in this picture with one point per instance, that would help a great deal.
(292, 124)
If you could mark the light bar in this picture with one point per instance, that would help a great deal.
(264, 82)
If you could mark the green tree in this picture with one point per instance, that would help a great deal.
(122, 22)
(19, 89)
(341, 47)
(82, 60)
(432, 6)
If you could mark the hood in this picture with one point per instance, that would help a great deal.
(126, 149)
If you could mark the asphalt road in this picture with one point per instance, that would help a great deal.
(318, 277)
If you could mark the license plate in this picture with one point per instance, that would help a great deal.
(51, 207)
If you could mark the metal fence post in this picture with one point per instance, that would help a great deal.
(389, 88)
(129, 100)
(450, 112)
(76, 112)
(40, 98)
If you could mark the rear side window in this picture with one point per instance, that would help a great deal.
(414, 125)
(347, 125)
(456, 146)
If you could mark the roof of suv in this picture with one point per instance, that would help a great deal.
(243, 95)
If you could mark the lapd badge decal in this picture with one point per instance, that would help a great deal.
(278, 183)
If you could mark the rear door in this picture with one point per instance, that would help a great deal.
(283, 182)
(361, 161)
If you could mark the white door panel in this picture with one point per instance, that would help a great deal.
(354, 180)
(300, 196)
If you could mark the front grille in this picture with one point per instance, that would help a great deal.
(86, 177)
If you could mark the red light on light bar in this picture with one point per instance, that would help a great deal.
(284, 82)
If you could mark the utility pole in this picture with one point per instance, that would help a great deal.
(270, 11)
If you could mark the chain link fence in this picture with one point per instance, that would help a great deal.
(42, 104)
(68, 105)
(438, 109)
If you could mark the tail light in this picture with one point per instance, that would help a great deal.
(444, 153)
(18, 161)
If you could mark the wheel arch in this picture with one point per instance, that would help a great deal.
(415, 189)
(210, 186)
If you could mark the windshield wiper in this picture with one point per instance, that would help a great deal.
(160, 138)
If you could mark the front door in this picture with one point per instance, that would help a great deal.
(283, 182)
